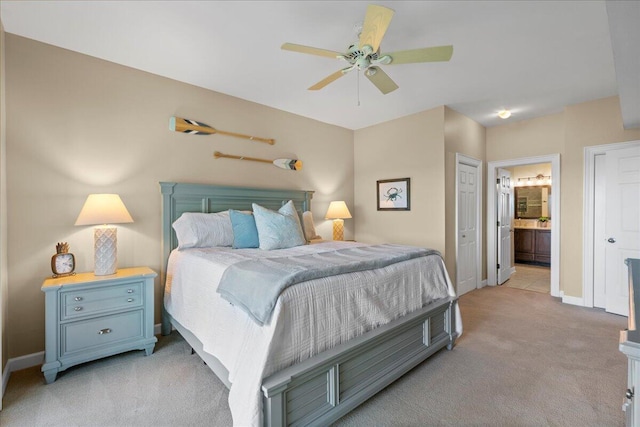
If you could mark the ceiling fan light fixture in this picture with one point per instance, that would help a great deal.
(385, 60)
(504, 114)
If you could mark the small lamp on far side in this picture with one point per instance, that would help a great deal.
(104, 209)
(337, 212)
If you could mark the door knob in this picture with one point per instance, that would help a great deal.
(611, 240)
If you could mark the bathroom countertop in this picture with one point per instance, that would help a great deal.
(530, 224)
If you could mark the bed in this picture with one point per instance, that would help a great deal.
(313, 373)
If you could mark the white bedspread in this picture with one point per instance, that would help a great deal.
(309, 318)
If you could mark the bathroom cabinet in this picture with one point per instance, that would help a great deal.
(532, 246)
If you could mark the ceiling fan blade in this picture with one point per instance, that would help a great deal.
(310, 50)
(376, 22)
(381, 80)
(427, 54)
(331, 78)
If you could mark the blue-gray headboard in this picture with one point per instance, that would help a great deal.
(178, 198)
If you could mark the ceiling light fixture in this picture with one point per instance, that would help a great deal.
(504, 114)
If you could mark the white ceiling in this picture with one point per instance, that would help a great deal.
(533, 57)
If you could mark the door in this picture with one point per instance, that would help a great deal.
(504, 225)
(467, 276)
(622, 227)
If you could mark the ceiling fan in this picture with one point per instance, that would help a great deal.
(365, 55)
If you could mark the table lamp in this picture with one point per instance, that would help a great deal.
(104, 209)
(337, 212)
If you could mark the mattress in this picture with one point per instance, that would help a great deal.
(308, 318)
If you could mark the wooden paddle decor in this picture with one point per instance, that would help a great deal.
(192, 127)
(291, 164)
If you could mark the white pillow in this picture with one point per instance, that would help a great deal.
(203, 230)
(278, 230)
(309, 227)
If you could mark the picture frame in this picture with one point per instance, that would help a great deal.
(394, 194)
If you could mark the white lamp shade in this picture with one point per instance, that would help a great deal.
(338, 210)
(103, 209)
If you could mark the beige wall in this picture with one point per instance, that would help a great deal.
(528, 171)
(465, 136)
(527, 138)
(590, 123)
(78, 125)
(4, 290)
(408, 147)
(422, 147)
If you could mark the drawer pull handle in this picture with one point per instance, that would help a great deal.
(77, 308)
(129, 299)
(104, 331)
(77, 299)
(129, 291)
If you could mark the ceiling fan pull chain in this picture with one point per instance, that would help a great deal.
(358, 85)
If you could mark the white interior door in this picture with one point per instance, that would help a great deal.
(466, 275)
(504, 192)
(622, 227)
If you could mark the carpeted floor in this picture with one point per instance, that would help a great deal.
(524, 359)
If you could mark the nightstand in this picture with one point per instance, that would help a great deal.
(88, 317)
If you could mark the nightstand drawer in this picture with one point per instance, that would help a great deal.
(91, 334)
(87, 302)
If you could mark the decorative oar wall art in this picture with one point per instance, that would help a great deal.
(192, 127)
(291, 164)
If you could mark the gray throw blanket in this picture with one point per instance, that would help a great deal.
(255, 285)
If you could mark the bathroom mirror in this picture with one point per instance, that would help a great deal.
(533, 202)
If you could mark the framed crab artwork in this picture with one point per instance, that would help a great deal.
(394, 194)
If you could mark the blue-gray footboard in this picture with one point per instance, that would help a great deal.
(322, 389)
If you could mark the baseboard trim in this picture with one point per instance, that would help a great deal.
(26, 361)
(566, 299)
(5, 378)
(157, 329)
(483, 283)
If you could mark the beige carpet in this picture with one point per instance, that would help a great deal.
(525, 359)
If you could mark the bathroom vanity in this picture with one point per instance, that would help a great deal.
(532, 245)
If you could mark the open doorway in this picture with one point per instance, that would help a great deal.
(553, 210)
(531, 225)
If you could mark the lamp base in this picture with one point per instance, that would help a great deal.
(338, 229)
(105, 245)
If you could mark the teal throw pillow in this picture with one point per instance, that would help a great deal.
(245, 233)
(278, 230)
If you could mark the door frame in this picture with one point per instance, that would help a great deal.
(492, 247)
(470, 161)
(588, 221)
